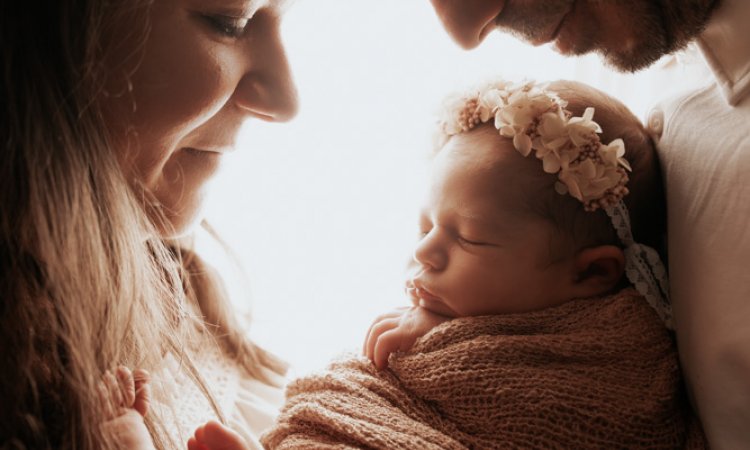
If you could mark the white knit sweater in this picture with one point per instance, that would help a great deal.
(249, 405)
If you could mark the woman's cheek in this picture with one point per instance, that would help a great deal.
(173, 109)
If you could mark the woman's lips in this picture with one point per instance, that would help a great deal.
(216, 150)
(196, 159)
(201, 152)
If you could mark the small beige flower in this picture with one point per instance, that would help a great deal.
(589, 181)
(614, 152)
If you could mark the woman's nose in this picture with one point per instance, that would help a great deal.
(430, 251)
(267, 90)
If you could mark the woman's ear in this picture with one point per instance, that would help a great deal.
(598, 270)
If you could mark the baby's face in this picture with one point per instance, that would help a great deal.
(479, 254)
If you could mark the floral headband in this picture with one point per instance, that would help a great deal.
(588, 170)
(536, 120)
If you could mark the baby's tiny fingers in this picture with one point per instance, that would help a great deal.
(369, 334)
(390, 315)
(142, 391)
(127, 385)
(375, 332)
(105, 401)
(387, 343)
(115, 393)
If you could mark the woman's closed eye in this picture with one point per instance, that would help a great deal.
(228, 26)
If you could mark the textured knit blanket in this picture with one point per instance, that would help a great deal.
(593, 373)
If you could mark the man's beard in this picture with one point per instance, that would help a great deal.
(665, 27)
(659, 27)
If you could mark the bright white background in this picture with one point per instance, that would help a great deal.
(321, 212)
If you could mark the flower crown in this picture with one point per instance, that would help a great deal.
(536, 119)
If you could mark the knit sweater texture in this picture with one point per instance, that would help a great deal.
(591, 373)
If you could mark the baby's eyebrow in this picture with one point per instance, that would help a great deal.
(479, 219)
(468, 215)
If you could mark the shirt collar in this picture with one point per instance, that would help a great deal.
(725, 44)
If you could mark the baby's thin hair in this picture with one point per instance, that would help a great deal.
(645, 201)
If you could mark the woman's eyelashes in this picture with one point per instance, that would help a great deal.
(228, 26)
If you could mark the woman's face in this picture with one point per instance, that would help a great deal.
(176, 102)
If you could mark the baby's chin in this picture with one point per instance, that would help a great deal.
(437, 307)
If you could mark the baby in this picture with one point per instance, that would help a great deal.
(499, 235)
(540, 310)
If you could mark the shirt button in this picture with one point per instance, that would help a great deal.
(656, 122)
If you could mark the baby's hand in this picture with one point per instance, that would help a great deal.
(397, 331)
(125, 398)
(215, 436)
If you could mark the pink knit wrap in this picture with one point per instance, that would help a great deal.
(592, 373)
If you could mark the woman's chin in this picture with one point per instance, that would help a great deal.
(179, 208)
(178, 220)
(179, 226)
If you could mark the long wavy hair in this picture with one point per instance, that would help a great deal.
(86, 281)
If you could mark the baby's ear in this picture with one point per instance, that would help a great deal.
(598, 270)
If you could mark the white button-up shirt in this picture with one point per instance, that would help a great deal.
(704, 146)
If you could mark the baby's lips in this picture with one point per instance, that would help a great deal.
(411, 291)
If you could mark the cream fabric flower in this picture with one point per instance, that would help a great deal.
(614, 152)
(519, 115)
(536, 120)
(588, 181)
(553, 144)
(583, 130)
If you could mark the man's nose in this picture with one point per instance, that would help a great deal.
(468, 21)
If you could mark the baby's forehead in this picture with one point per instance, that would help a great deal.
(486, 169)
(482, 151)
